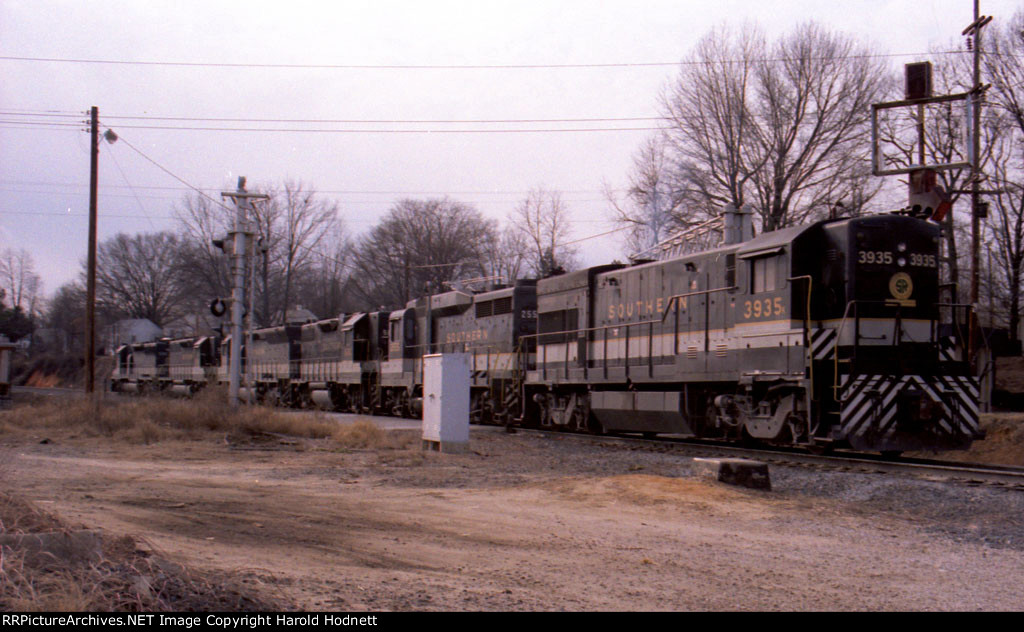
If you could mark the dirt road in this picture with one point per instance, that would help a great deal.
(522, 523)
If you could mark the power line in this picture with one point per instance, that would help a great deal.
(347, 220)
(187, 64)
(333, 191)
(168, 172)
(214, 119)
(607, 232)
(301, 130)
(113, 157)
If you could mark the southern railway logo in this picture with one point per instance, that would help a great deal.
(900, 286)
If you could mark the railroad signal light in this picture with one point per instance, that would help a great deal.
(926, 197)
(218, 307)
(224, 245)
(918, 80)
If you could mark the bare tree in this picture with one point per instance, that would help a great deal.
(1003, 66)
(652, 204)
(66, 312)
(204, 269)
(290, 228)
(783, 127)
(506, 252)
(1006, 221)
(304, 220)
(322, 288)
(543, 221)
(137, 276)
(21, 285)
(420, 242)
(814, 109)
(713, 137)
(1005, 150)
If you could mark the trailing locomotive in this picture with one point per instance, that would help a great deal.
(831, 334)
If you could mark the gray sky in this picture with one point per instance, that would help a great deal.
(44, 170)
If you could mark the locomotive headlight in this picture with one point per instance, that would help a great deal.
(902, 247)
(901, 262)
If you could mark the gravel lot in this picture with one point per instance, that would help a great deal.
(530, 522)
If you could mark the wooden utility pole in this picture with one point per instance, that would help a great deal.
(90, 292)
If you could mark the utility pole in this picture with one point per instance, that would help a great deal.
(240, 235)
(90, 292)
(977, 92)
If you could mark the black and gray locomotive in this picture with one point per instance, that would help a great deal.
(831, 334)
(826, 335)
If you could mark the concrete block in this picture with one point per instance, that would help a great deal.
(446, 447)
(744, 472)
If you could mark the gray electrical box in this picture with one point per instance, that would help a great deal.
(446, 379)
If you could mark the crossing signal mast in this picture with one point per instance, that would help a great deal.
(239, 237)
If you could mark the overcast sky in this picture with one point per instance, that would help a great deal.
(230, 66)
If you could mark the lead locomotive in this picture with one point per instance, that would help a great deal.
(825, 335)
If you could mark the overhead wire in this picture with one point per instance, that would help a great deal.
(309, 66)
(113, 156)
(316, 252)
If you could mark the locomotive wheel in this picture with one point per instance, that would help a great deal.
(578, 423)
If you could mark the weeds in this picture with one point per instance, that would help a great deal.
(145, 420)
(121, 577)
(363, 435)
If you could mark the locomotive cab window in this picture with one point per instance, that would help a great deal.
(764, 274)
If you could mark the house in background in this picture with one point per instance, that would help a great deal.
(192, 326)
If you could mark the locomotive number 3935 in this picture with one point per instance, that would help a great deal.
(763, 307)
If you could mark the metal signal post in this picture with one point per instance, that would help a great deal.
(240, 236)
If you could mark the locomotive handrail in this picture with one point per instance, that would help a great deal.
(809, 393)
(650, 323)
(856, 339)
(856, 342)
(673, 299)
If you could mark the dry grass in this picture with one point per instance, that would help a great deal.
(145, 420)
(364, 435)
(121, 576)
(47, 565)
(1003, 443)
(104, 573)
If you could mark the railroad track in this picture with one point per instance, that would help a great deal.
(971, 474)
